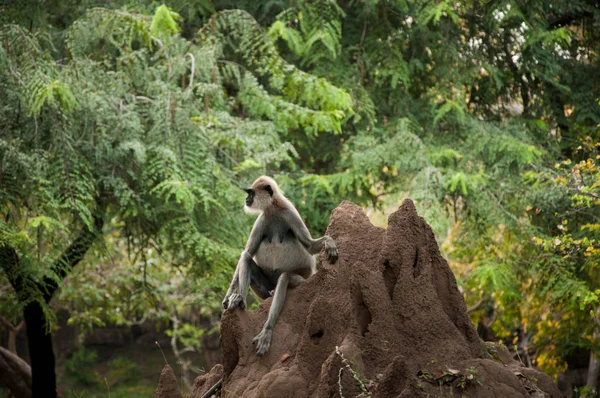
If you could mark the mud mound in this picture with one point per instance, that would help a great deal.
(391, 307)
(167, 384)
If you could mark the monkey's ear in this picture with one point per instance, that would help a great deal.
(269, 190)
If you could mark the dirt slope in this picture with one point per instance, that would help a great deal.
(392, 306)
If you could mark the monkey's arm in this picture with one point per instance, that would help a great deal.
(313, 246)
(232, 297)
(255, 236)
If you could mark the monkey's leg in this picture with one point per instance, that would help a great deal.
(263, 339)
(259, 283)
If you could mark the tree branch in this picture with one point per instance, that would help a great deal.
(15, 373)
(475, 307)
(512, 216)
(72, 256)
(7, 324)
(9, 261)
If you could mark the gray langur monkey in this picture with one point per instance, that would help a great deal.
(279, 253)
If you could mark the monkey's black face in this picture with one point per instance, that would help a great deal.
(250, 197)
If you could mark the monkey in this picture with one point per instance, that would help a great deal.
(279, 254)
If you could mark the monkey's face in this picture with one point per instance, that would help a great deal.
(250, 198)
(260, 196)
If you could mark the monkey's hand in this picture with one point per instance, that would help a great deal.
(234, 300)
(263, 341)
(331, 250)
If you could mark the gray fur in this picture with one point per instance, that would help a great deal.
(279, 253)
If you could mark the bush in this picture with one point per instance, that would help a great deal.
(121, 370)
(80, 366)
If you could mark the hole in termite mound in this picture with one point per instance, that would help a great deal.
(389, 276)
(316, 336)
(363, 316)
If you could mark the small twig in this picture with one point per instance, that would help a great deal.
(187, 349)
(168, 104)
(217, 147)
(161, 350)
(517, 352)
(107, 387)
(352, 372)
(143, 99)
(475, 307)
(213, 388)
(591, 194)
(340, 382)
(494, 317)
(193, 68)
(512, 216)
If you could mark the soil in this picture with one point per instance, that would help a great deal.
(391, 308)
(167, 385)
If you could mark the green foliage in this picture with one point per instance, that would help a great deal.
(305, 101)
(100, 28)
(164, 22)
(584, 392)
(308, 26)
(121, 370)
(188, 335)
(79, 366)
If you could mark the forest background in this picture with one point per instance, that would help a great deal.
(127, 130)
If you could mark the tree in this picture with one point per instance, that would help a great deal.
(569, 254)
(133, 127)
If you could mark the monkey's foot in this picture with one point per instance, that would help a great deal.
(331, 251)
(234, 300)
(263, 341)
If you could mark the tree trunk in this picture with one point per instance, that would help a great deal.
(39, 340)
(593, 371)
(12, 341)
(12, 337)
(41, 354)
(594, 366)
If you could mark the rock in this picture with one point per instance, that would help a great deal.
(167, 385)
(392, 308)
